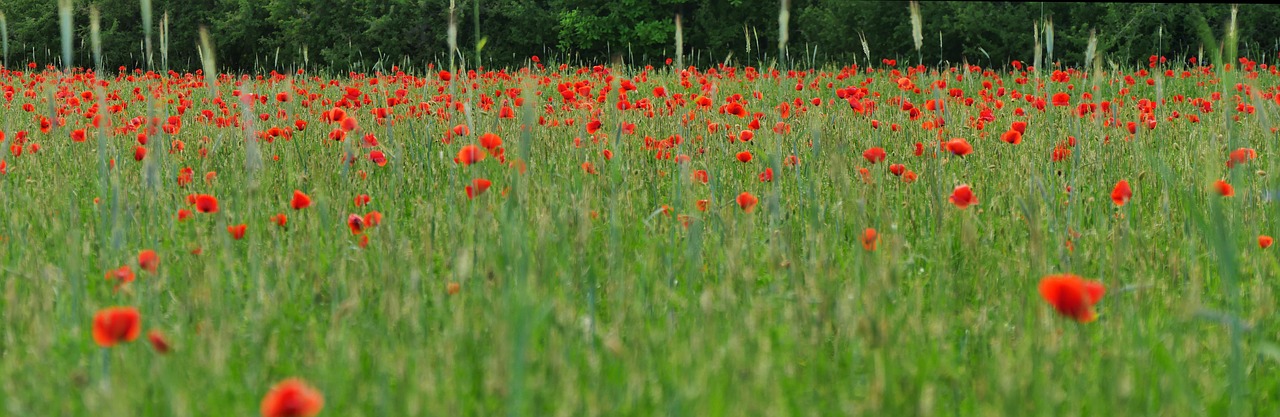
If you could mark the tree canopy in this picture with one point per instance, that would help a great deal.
(257, 35)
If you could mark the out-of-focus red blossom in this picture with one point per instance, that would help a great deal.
(1121, 193)
(158, 342)
(1072, 296)
(300, 200)
(1224, 189)
(1265, 241)
(292, 398)
(874, 155)
(378, 158)
(206, 203)
(869, 239)
(490, 141)
(962, 197)
(1019, 126)
(959, 147)
(1240, 156)
(1012, 137)
(897, 169)
(468, 155)
(355, 223)
(237, 231)
(767, 175)
(148, 261)
(477, 187)
(747, 201)
(115, 325)
(122, 275)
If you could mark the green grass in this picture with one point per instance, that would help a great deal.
(775, 312)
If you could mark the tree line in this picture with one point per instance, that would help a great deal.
(361, 35)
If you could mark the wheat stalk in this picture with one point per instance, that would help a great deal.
(1036, 33)
(4, 38)
(917, 24)
(1048, 39)
(784, 19)
(680, 43)
(64, 19)
(95, 35)
(866, 50)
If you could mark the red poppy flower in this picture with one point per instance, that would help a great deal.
(962, 197)
(477, 187)
(115, 325)
(78, 135)
(1122, 193)
(373, 219)
(362, 199)
(280, 219)
(349, 124)
(237, 231)
(490, 141)
(959, 147)
(300, 200)
(869, 239)
(909, 177)
(378, 158)
(1019, 126)
(744, 156)
(1240, 156)
(139, 153)
(1265, 241)
(1072, 296)
(468, 155)
(292, 398)
(148, 261)
(1060, 153)
(701, 176)
(355, 223)
(702, 204)
(158, 342)
(919, 150)
(1061, 99)
(122, 275)
(206, 203)
(897, 169)
(1012, 137)
(185, 176)
(746, 135)
(1224, 189)
(747, 201)
(873, 155)
(587, 167)
(767, 175)
(184, 214)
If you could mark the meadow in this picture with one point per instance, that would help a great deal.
(627, 240)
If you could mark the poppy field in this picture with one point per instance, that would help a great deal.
(608, 240)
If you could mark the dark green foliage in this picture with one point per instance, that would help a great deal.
(373, 35)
